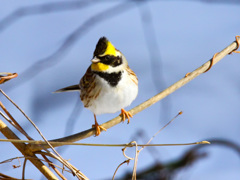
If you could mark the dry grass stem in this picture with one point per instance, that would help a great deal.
(24, 167)
(13, 121)
(134, 174)
(126, 161)
(63, 161)
(50, 154)
(100, 145)
(161, 129)
(6, 177)
(53, 167)
(4, 76)
(26, 152)
(41, 153)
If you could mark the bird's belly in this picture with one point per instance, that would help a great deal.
(113, 99)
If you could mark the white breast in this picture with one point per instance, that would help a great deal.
(113, 99)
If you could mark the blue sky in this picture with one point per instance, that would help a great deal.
(162, 40)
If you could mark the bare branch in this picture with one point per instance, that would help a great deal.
(24, 167)
(126, 161)
(91, 144)
(25, 151)
(13, 121)
(161, 129)
(4, 76)
(29, 157)
(6, 177)
(77, 173)
(53, 167)
(90, 132)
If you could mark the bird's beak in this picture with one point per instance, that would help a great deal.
(95, 60)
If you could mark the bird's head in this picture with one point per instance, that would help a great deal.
(107, 58)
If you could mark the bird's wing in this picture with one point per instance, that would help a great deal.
(69, 88)
(89, 91)
(85, 83)
(87, 79)
(132, 75)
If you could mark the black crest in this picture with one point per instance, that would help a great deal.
(101, 46)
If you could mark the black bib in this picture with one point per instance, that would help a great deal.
(111, 78)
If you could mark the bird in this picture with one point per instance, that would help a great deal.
(109, 85)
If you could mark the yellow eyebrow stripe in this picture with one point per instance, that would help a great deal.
(110, 50)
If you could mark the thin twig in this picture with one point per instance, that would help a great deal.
(90, 132)
(21, 130)
(132, 143)
(30, 157)
(124, 150)
(5, 117)
(53, 167)
(100, 145)
(38, 130)
(26, 152)
(161, 130)
(153, 151)
(4, 76)
(126, 161)
(6, 177)
(14, 122)
(19, 164)
(50, 154)
(23, 170)
(134, 174)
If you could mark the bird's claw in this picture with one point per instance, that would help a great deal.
(125, 114)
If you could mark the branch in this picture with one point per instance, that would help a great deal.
(13, 121)
(90, 132)
(91, 144)
(26, 152)
(76, 173)
(7, 76)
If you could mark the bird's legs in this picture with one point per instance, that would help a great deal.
(97, 127)
(125, 114)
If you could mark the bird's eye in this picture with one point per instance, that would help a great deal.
(107, 58)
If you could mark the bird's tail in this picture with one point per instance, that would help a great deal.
(69, 88)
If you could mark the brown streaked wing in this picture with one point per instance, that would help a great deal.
(87, 79)
(88, 87)
(132, 75)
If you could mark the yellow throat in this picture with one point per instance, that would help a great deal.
(99, 66)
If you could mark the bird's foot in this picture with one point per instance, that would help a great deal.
(98, 128)
(125, 114)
